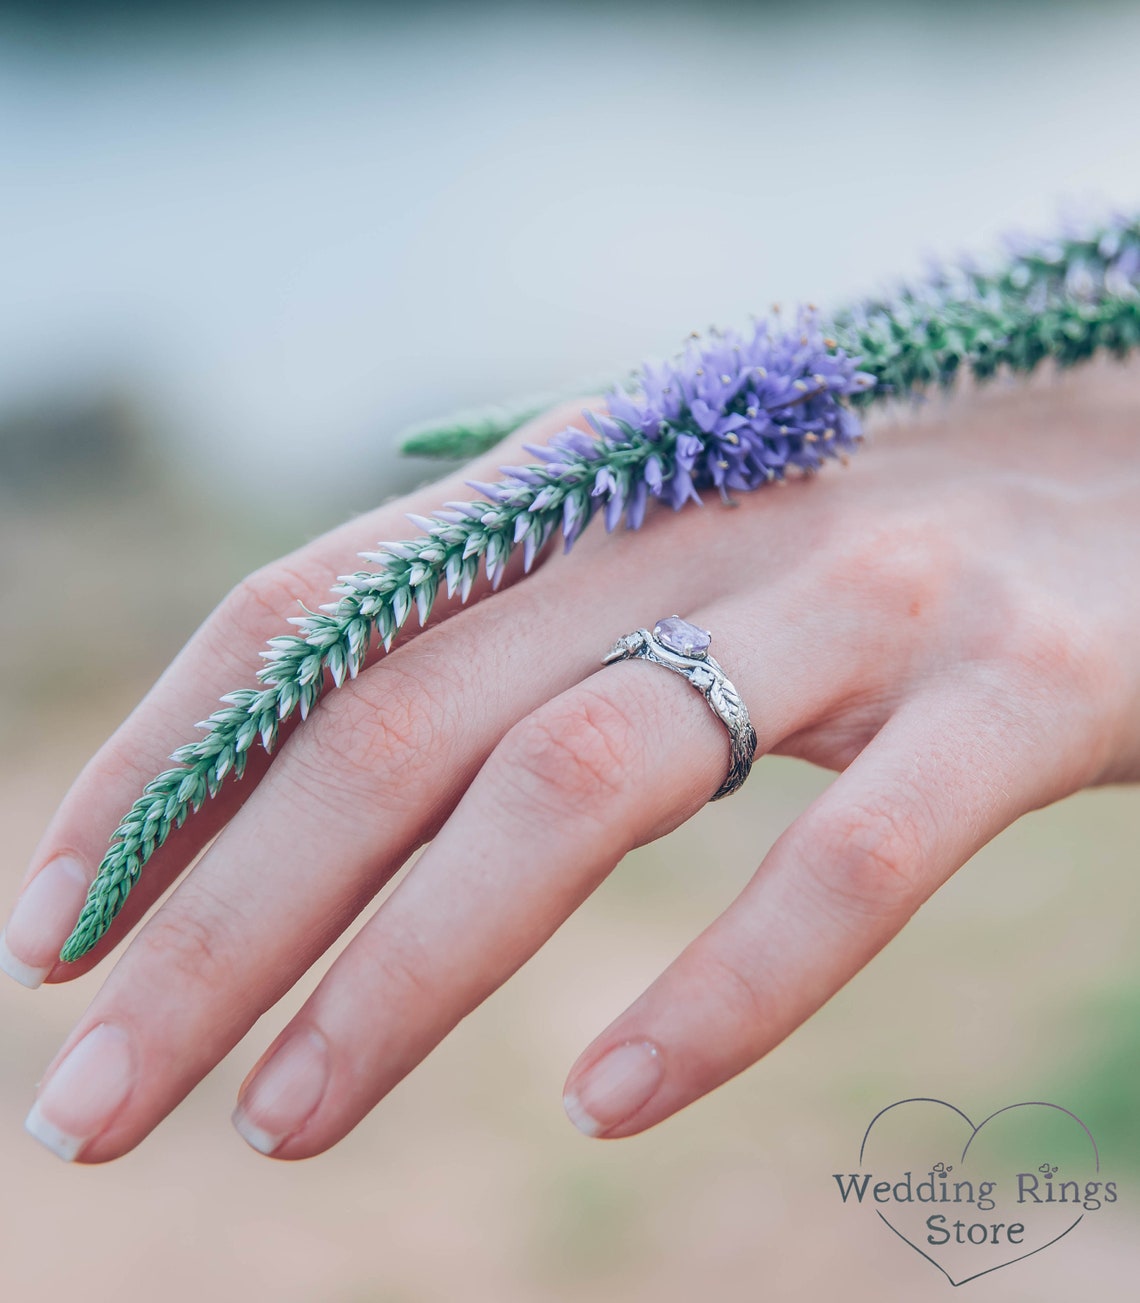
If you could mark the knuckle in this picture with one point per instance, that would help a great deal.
(749, 999)
(904, 560)
(868, 861)
(1056, 668)
(573, 754)
(117, 764)
(260, 602)
(1053, 650)
(402, 968)
(386, 725)
(191, 947)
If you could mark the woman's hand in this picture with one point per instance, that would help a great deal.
(952, 622)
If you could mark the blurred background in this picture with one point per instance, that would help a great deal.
(243, 245)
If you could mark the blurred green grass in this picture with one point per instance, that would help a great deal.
(1099, 1066)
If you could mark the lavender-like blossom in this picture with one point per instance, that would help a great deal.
(733, 411)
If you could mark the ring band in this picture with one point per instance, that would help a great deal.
(683, 648)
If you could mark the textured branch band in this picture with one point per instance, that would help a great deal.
(708, 677)
(733, 412)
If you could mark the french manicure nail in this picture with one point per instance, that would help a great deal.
(41, 919)
(84, 1093)
(285, 1093)
(614, 1088)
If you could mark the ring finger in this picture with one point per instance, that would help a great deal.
(615, 761)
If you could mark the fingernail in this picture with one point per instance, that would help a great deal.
(285, 1093)
(84, 1093)
(613, 1090)
(41, 920)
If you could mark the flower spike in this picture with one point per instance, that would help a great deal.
(733, 412)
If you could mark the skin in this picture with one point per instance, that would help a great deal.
(950, 623)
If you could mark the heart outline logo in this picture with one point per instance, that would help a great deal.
(974, 1131)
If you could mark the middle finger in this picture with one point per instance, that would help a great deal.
(617, 760)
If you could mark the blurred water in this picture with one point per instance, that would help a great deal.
(292, 235)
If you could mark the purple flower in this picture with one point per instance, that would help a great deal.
(742, 408)
(732, 411)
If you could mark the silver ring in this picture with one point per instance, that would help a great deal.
(683, 648)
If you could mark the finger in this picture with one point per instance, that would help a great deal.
(948, 772)
(614, 761)
(372, 775)
(220, 656)
(349, 797)
(374, 772)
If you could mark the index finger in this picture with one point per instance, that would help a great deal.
(220, 656)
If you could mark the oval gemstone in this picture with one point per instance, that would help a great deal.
(682, 637)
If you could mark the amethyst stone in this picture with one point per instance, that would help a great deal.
(682, 637)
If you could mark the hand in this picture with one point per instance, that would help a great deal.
(949, 622)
